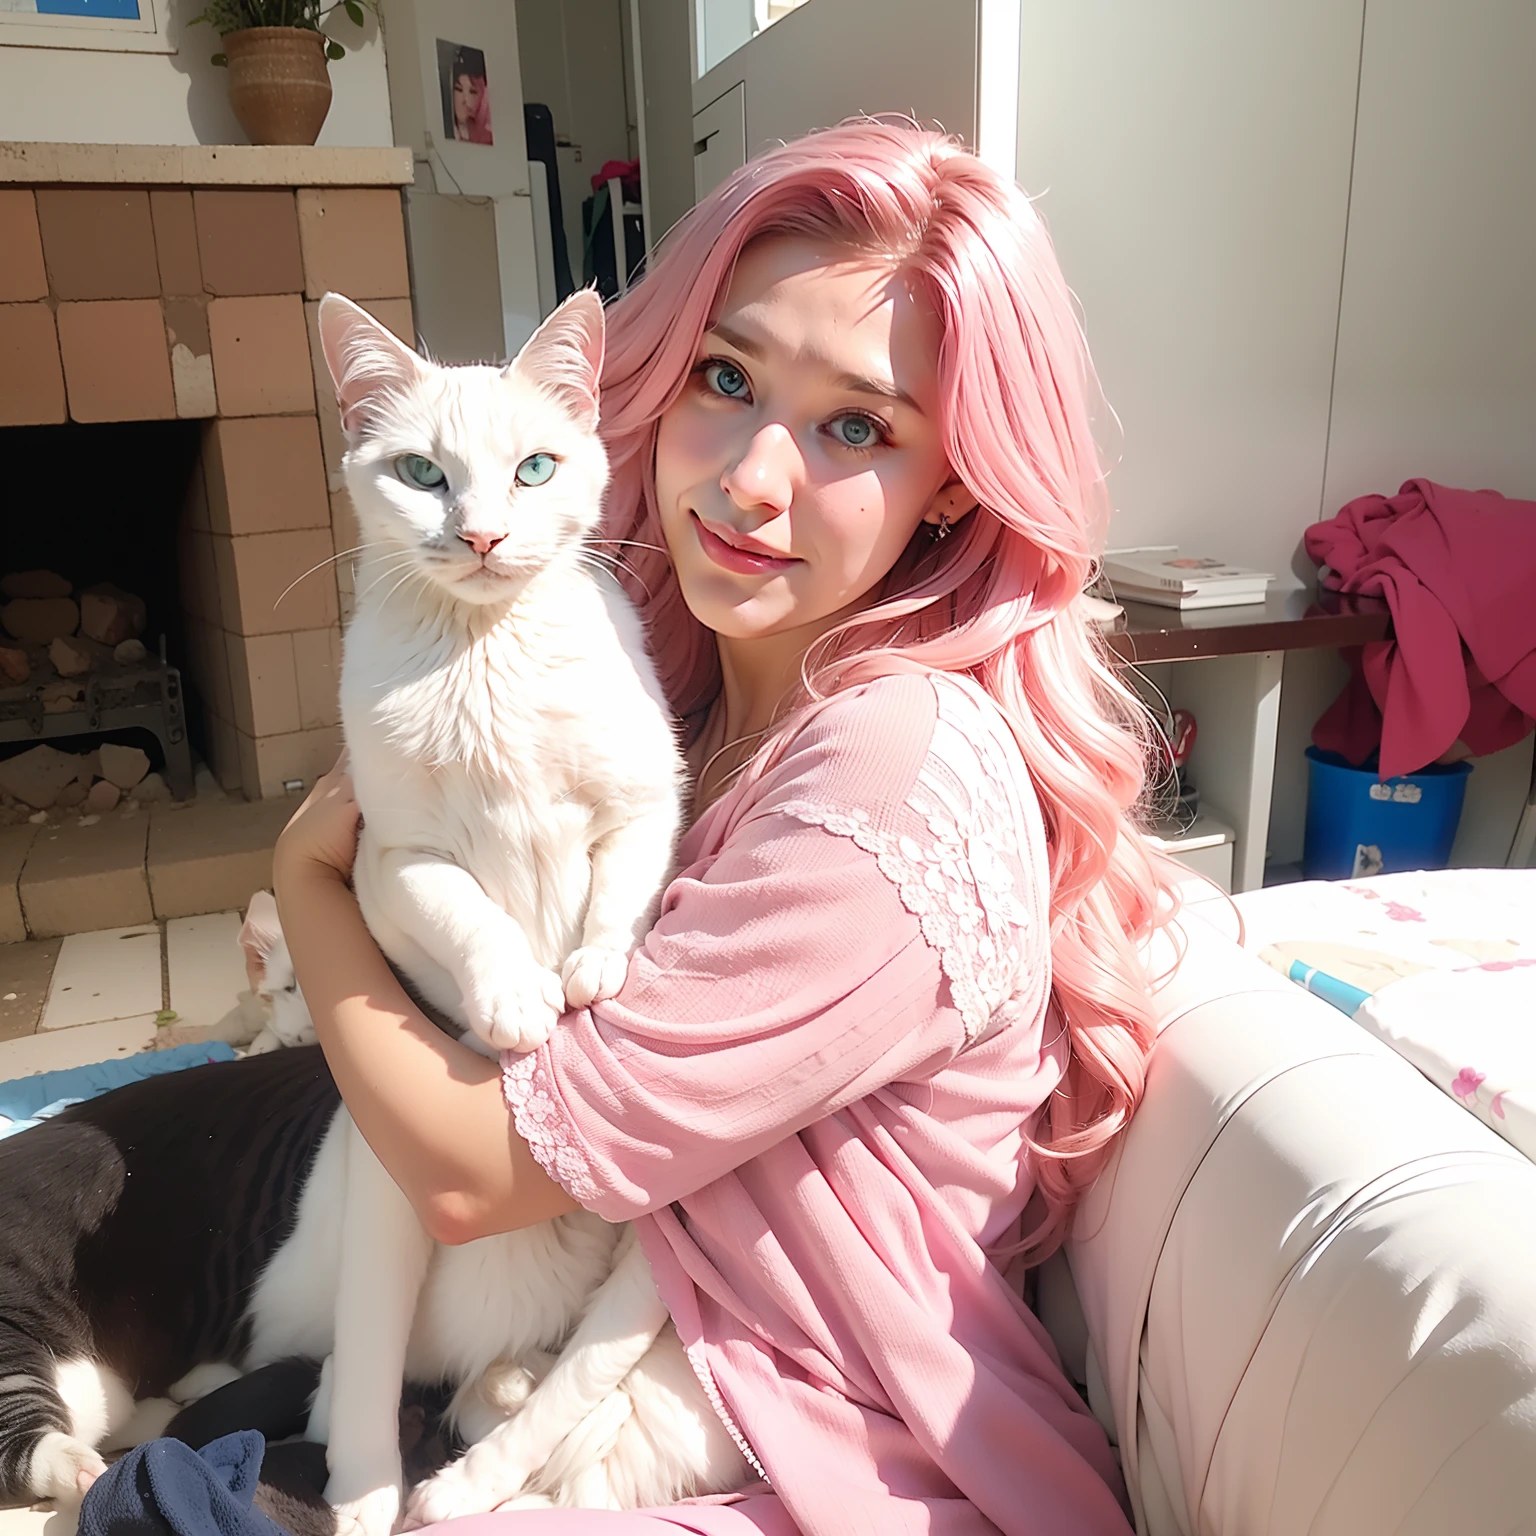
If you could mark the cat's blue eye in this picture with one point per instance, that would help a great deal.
(726, 379)
(536, 469)
(420, 472)
(855, 431)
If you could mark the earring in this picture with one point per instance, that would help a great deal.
(942, 531)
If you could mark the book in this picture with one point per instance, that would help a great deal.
(1189, 602)
(1167, 570)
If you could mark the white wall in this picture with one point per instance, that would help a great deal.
(660, 32)
(1437, 335)
(1192, 162)
(76, 96)
(454, 277)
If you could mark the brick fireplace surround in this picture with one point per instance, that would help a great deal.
(148, 284)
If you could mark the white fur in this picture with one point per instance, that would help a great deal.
(519, 782)
(201, 1380)
(99, 1404)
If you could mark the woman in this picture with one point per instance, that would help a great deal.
(471, 98)
(893, 996)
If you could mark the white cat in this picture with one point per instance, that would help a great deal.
(272, 1013)
(519, 781)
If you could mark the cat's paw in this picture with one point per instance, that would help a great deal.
(518, 1009)
(373, 1513)
(64, 1468)
(592, 973)
(264, 1042)
(459, 1489)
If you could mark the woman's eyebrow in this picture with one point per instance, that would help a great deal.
(858, 383)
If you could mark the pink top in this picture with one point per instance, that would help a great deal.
(810, 1097)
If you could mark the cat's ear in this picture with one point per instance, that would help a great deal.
(565, 355)
(259, 935)
(367, 361)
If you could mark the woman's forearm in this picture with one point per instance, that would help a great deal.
(430, 1108)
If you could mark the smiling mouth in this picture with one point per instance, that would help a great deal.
(732, 557)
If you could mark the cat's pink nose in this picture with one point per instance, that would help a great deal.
(481, 543)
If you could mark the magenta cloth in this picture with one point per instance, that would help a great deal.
(811, 1096)
(1458, 569)
(627, 171)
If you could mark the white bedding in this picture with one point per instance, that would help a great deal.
(1449, 957)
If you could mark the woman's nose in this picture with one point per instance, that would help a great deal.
(766, 474)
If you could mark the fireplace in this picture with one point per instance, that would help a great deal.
(171, 437)
(90, 597)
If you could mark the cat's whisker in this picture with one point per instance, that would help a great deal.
(357, 549)
(297, 579)
(632, 543)
(319, 565)
(616, 566)
(403, 562)
(409, 576)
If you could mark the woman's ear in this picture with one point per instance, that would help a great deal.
(952, 503)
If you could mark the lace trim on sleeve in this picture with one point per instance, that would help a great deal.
(540, 1120)
(959, 880)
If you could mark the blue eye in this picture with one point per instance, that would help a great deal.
(726, 379)
(856, 431)
(422, 473)
(535, 469)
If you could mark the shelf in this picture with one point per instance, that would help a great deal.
(1299, 620)
(206, 165)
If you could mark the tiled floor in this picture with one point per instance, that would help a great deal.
(93, 996)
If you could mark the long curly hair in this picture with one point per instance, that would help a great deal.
(997, 600)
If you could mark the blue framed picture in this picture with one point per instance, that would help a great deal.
(115, 10)
(136, 26)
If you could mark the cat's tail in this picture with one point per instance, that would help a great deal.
(52, 1414)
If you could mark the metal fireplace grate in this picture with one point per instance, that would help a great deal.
(144, 694)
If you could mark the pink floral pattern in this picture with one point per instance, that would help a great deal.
(1468, 1081)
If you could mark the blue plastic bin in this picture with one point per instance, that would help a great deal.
(1357, 825)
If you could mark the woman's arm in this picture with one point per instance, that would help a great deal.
(431, 1109)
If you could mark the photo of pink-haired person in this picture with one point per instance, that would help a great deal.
(466, 95)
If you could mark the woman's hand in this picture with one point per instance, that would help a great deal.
(322, 833)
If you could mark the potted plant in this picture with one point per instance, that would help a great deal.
(279, 82)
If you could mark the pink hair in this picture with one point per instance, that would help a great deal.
(997, 600)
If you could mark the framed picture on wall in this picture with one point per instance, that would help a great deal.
(104, 26)
(465, 92)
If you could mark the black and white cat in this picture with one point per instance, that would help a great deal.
(137, 1238)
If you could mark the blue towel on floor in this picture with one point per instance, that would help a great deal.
(26, 1100)
(165, 1488)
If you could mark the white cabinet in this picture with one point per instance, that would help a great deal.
(719, 140)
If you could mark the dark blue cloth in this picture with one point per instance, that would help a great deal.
(165, 1488)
